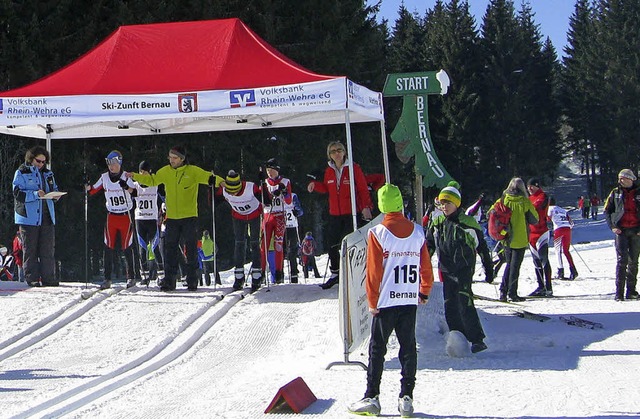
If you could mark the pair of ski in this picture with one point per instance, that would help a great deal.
(570, 320)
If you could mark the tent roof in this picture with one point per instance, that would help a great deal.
(164, 78)
(171, 57)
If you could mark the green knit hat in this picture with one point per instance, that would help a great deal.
(451, 193)
(390, 198)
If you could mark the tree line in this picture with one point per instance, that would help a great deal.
(513, 109)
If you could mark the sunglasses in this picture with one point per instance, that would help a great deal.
(40, 161)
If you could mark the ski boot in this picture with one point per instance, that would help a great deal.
(333, 280)
(256, 279)
(279, 277)
(574, 273)
(106, 284)
(539, 292)
(238, 282)
(561, 274)
(131, 282)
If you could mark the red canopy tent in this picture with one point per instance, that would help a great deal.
(181, 77)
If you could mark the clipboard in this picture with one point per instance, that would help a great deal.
(53, 195)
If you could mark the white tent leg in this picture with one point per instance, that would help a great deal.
(385, 152)
(352, 184)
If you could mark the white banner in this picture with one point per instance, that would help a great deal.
(355, 319)
(329, 95)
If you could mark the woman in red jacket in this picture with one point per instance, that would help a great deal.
(336, 183)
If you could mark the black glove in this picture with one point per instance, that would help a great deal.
(488, 274)
(423, 296)
(261, 175)
(295, 212)
(212, 180)
(278, 191)
(123, 184)
(488, 278)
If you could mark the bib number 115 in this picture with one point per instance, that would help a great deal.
(406, 273)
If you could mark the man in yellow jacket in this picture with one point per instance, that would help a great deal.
(181, 181)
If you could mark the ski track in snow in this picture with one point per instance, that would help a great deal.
(142, 353)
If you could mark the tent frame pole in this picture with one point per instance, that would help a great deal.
(352, 183)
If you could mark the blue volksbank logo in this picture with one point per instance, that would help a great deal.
(242, 98)
(0, 106)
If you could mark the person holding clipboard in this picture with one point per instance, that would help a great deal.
(35, 216)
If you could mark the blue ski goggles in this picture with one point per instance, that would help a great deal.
(114, 160)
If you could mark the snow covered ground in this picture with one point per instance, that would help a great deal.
(142, 353)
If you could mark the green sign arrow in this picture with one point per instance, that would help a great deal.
(423, 83)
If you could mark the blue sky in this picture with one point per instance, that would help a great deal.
(551, 15)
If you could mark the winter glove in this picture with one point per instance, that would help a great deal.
(423, 296)
(123, 184)
(295, 212)
(278, 191)
(261, 175)
(488, 275)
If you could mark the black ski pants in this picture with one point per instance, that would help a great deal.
(338, 227)
(293, 246)
(459, 310)
(627, 252)
(187, 230)
(402, 320)
(240, 233)
(513, 257)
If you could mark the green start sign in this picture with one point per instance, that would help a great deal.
(423, 83)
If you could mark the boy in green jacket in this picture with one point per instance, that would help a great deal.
(457, 237)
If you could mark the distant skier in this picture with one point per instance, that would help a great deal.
(539, 239)
(595, 201)
(308, 255)
(562, 225)
(293, 210)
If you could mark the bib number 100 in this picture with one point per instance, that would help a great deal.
(406, 273)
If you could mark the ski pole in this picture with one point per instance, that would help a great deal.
(265, 251)
(86, 222)
(213, 227)
(578, 253)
